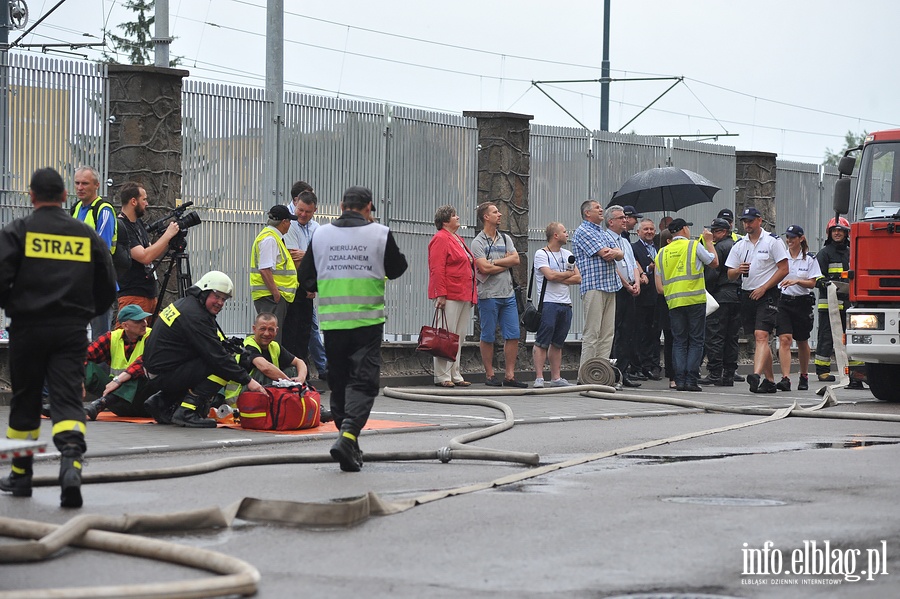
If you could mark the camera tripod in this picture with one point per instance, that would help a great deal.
(180, 258)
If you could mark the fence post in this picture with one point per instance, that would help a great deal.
(755, 175)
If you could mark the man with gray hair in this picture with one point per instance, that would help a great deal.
(273, 276)
(618, 219)
(596, 251)
(99, 215)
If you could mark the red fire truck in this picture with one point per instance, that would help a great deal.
(873, 320)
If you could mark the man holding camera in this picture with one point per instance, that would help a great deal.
(184, 355)
(138, 285)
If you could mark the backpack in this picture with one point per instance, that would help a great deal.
(122, 256)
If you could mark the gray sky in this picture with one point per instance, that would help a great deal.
(790, 77)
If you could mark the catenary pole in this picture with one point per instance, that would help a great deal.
(274, 94)
(604, 71)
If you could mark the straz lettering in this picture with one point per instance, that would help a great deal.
(169, 314)
(57, 247)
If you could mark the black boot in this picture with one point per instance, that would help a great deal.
(70, 477)
(156, 407)
(93, 409)
(346, 451)
(190, 413)
(713, 378)
(727, 379)
(19, 480)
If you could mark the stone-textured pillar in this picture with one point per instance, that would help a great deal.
(755, 179)
(145, 131)
(504, 164)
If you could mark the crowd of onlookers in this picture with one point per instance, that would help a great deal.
(694, 292)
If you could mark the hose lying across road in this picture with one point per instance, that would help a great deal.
(240, 578)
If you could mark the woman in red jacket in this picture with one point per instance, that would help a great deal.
(451, 284)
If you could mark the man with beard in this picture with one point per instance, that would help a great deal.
(138, 286)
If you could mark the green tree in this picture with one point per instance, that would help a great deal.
(137, 41)
(851, 140)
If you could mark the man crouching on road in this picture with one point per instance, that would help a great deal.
(185, 355)
(347, 263)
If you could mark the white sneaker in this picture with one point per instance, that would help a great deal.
(538, 383)
(560, 383)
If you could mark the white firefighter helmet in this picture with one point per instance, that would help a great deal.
(217, 281)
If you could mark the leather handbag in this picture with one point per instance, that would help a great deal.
(437, 340)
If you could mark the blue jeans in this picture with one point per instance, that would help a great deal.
(316, 349)
(689, 330)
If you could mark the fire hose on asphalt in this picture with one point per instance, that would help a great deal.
(240, 578)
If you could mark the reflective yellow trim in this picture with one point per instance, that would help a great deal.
(64, 426)
(57, 247)
(188, 406)
(17, 470)
(350, 436)
(12, 433)
(217, 379)
(253, 414)
(77, 465)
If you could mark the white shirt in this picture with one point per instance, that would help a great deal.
(763, 257)
(298, 236)
(801, 268)
(557, 293)
(268, 250)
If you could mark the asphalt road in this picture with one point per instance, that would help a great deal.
(679, 519)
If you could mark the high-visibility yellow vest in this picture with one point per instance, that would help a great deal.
(234, 388)
(350, 274)
(118, 363)
(90, 219)
(284, 272)
(683, 283)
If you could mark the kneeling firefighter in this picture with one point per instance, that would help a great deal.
(185, 356)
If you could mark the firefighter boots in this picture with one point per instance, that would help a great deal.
(191, 413)
(93, 409)
(156, 407)
(346, 451)
(70, 477)
(19, 480)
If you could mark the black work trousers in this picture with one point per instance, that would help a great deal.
(297, 326)
(54, 353)
(722, 329)
(647, 330)
(354, 371)
(191, 375)
(623, 341)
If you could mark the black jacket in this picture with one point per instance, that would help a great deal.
(394, 261)
(54, 269)
(648, 293)
(717, 282)
(185, 331)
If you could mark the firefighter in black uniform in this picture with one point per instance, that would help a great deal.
(834, 260)
(185, 355)
(56, 274)
(347, 263)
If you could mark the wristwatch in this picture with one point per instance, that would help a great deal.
(116, 380)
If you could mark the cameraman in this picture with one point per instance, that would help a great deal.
(184, 355)
(138, 285)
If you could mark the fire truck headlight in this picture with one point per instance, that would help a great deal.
(865, 322)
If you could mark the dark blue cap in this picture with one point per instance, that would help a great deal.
(794, 231)
(750, 213)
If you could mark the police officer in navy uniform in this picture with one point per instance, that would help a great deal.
(346, 263)
(56, 274)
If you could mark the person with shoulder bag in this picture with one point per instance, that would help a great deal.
(452, 286)
(554, 271)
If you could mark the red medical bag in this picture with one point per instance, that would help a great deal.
(280, 409)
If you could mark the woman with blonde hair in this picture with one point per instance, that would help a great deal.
(451, 284)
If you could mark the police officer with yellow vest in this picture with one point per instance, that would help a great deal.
(98, 214)
(679, 277)
(184, 355)
(273, 276)
(55, 275)
(126, 387)
(347, 263)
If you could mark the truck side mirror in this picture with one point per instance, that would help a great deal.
(841, 201)
(845, 166)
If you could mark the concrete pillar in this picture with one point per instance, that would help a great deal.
(755, 178)
(145, 131)
(504, 164)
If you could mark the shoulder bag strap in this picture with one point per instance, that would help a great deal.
(543, 285)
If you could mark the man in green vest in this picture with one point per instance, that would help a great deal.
(98, 214)
(126, 387)
(679, 277)
(273, 276)
(347, 263)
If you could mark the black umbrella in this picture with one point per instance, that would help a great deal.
(665, 189)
